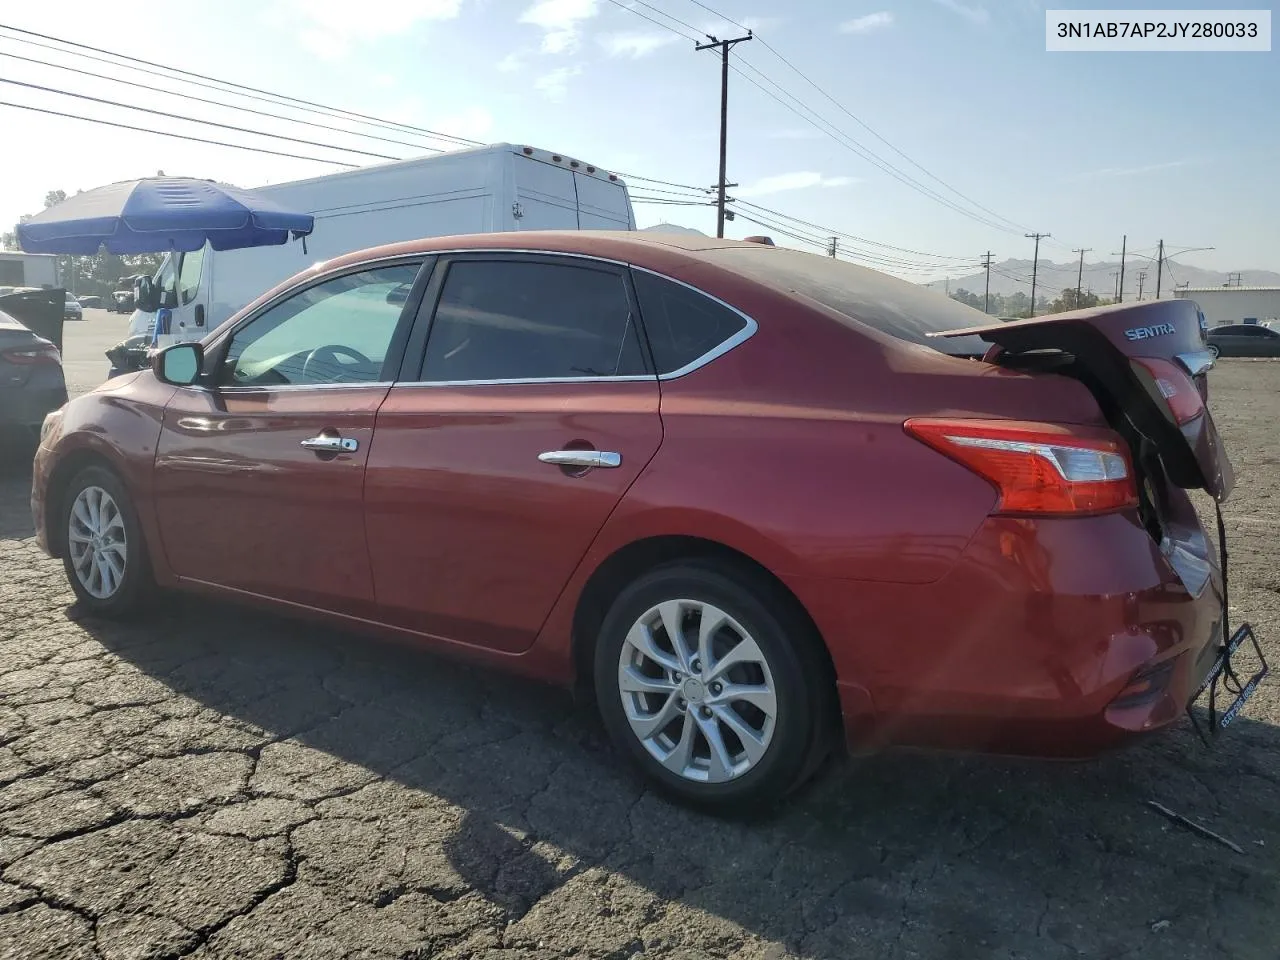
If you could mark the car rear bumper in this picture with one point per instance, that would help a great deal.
(1051, 638)
(26, 406)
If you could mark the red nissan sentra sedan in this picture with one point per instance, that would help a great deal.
(748, 496)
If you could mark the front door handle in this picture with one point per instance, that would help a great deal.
(582, 458)
(328, 444)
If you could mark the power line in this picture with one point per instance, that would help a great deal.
(839, 136)
(208, 123)
(858, 120)
(857, 149)
(656, 23)
(177, 136)
(849, 236)
(279, 99)
(216, 103)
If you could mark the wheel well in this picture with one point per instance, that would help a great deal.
(635, 559)
(56, 491)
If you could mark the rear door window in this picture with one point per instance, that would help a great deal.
(683, 326)
(517, 319)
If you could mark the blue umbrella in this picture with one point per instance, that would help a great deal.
(161, 213)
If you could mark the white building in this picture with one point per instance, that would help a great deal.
(1234, 304)
(19, 269)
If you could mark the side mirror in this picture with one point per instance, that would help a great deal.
(146, 296)
(179, 365)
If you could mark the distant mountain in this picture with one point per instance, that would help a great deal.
(671, 228)
(1010, 276)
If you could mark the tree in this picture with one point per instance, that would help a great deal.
(54, 196)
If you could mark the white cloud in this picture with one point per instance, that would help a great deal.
(559, 21)
(474, 123)
(1108, 172)
(510, 63)
(328, 29)
(384, 80)
(798, 180)
(758, 24)
(972, 14)
(635, 45)
(868, 23)
(555, 85)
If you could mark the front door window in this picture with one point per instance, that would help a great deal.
(336, 332)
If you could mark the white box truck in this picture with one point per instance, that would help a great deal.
(487, 189)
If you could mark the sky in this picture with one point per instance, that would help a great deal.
(958, 96)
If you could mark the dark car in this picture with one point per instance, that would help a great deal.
(1243, 340)
(31, 381)
(91, 303)
(759, 503)
(121, 301)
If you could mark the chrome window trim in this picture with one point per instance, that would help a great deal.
(629, 378)
(742, 336)
(285, 387)
(746, 333)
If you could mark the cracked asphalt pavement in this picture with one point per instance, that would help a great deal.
(218, 783)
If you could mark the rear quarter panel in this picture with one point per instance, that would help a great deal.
(790, 450)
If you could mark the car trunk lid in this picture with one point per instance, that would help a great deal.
(1145, 363)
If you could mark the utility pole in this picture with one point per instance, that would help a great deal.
(1035, 265)
(1080, 273)
(1120, 289)
(832, 245)
(986, 294)
(1159, 269)
(1115, 275)
(721, 184)
(1142, 277)
(1235, 279)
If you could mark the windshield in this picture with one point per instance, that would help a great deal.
(901, 309)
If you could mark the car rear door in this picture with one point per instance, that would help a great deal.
(259, 472)
(504, 448)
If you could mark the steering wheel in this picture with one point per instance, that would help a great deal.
(322, 362)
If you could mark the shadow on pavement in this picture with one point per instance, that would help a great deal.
(940, 856)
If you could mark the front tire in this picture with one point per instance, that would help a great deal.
(711, 684)
(1214, 351)
(104, 554)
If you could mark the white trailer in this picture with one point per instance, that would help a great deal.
(487, 189)
(28, 270)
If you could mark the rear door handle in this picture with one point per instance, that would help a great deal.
(332, 444)
(582, 458)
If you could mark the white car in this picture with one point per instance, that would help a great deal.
(72, 309)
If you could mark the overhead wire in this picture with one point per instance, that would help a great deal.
(207, 123)
(251, 93)
(858, 120)
(217, 103)
(178, 136)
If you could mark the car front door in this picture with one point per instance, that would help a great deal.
(259, 471)
(500, 457)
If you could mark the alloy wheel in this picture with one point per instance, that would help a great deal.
(697, 691)
(97, 542)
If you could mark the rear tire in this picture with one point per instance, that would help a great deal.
(1214, 351)
(728, 723)
(104, 555)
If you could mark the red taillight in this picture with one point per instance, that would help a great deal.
(1039, 468)
(1170, 387)
(41, 353)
